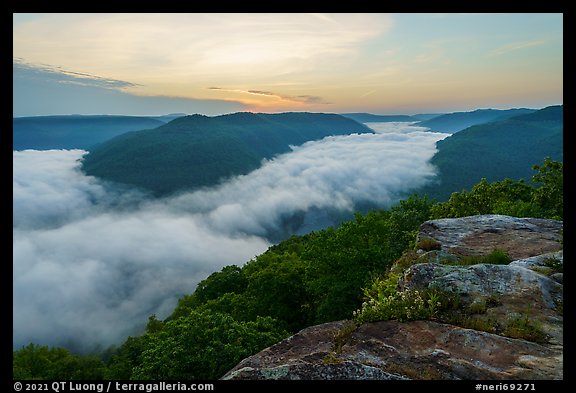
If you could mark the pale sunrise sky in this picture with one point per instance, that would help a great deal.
(154, 64)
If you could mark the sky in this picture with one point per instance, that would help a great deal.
(154, 64)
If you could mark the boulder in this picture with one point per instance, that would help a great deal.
(514, 291)
(478, 235)
(508, 324)
(307, 355)
(393, 350)
(531, 286)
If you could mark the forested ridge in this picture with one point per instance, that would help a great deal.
(198, 151)
(496, 150)
(74, 131)
(458, 121)
(301, 281)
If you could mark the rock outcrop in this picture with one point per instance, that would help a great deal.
(394, 350)
(508, 324)
(478, 235)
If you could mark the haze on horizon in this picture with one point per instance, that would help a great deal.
(153, 64)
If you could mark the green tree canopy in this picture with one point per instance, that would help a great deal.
(41, 362)
(203, 345)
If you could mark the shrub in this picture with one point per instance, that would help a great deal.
(495, 257)
(478, 307)
(525, 328)
(342, 336)
(203, 345)
(385, 302)
(498, 257)
(407, 259)
(555, 264)
(489, 325)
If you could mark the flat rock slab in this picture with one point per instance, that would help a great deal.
(479, 235)
(393, 350)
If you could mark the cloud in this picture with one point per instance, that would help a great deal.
(93, 281)
(49, 190)
(40, 89)
(58, 75)
(178, 54)
(515, 46)
(181, 45)
(393, 127)
(91, 263)
(87, 271)
(306, 99)
(336, 172)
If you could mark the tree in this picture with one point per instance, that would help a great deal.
(542, 199)
(276, 288)
(550, 195)
(41, 362)
(341, 261)
(203, 345)
(229, 280)
(127, 357)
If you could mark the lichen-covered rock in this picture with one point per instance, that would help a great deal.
(486, 280)
(307, 355)
(501, 300)
(394, 350)
(542, 261)
(517, 291)
(530, 286)
(478, 235)
(345, 370)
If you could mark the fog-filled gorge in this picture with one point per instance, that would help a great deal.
(92, 260)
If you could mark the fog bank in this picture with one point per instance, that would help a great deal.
(92, 261)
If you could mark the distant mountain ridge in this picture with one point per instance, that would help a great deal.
(551, 116)
(371, 118)
(176, 151)
(197, 151)
(458, 121)
(74, 131)
(497, 150)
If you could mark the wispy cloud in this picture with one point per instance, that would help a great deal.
(179, 54)
(152, 46)
(368, 93)
(515, 46)
(304, 98)
(43, 89)
(60, 75)
(318, 58)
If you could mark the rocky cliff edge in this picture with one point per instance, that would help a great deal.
(508, 323)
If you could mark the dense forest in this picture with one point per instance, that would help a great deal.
(458, 121)
(304, 280)
(197, 151)
(496, 150)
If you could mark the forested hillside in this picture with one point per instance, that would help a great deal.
(496, 150)
(301, 281)
(196, 151)
(73, 131)
(458, 121)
